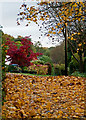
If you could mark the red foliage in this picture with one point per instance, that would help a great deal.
(22, 55)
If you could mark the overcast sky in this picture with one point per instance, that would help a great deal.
(8, 11)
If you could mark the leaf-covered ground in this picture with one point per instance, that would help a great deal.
(44, 97)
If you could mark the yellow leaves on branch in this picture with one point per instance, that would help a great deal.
(65, 13)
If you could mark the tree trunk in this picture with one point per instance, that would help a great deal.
(81, 68)
(85, 60)
(66, 51)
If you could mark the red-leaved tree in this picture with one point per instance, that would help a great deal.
(21, 55)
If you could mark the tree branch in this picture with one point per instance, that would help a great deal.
(73, 54)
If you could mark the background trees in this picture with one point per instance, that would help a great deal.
(14, 48)
(57, 54)
(38, 47)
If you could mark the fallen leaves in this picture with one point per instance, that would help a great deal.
(43, 97)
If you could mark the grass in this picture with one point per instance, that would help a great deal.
(32, 74)
(78, 74)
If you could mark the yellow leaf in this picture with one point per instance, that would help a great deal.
(79, 44)
(45, 13)
(61, 28)
(59, 116)
(48, 35)
(50, 32)
(52, 28)
(60, 112)
(71, 38)
(56, 100)
(56, 26)
(2, 68)
(54, 32)
(75, 5)
(59, 32)
(42, 18)
(72, 107)
(48, 16)
(66, 24)
(78, 33)
(78, 19)
(78, 110)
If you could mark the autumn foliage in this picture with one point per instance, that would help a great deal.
(21, 55)
(66, 19)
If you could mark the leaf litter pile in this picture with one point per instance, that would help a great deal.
(43, 97)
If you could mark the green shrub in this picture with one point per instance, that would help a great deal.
(62, 67)
(74, 65)
(77, 73)
(59, 69)
(47, 60)
(38, 69)
(14, 68)
(25, 69)
(38, 62)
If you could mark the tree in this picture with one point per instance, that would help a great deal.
(21, 55)
(57, 54)
(4, 51)
(74, 65)
(39, 48)
(57, 18)
(77, 43)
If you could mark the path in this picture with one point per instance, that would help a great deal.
(44, 97)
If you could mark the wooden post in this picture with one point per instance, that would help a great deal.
(66, 51)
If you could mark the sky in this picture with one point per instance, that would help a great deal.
(8, 11)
